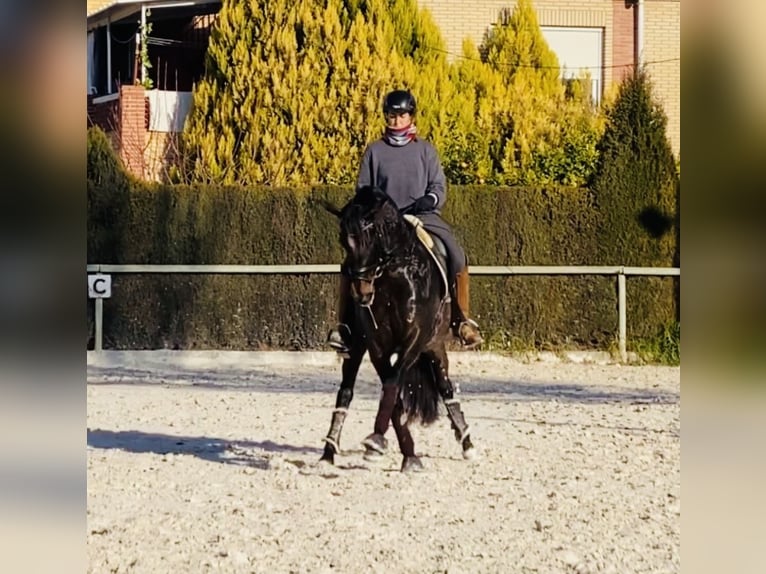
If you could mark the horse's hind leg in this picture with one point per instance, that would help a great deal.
(391, 410)
(350, 369)
(462, 431)
(461, 428)
(375, 445)
(410, 462)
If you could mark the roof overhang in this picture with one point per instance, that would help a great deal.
(121, 9)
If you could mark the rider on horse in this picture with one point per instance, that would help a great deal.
(408, 169)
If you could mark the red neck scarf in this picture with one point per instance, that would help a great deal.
(400, 137)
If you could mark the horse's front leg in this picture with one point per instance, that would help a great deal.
(350, 369)
(440, 364)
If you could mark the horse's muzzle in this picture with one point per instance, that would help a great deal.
(362, 283)
(363, 291)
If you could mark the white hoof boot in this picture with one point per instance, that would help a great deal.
(471, 454)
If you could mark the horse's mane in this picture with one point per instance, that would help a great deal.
(372, 212)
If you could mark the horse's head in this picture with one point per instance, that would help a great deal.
(369, 227)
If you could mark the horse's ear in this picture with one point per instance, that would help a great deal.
(332, 208)
(381, 197)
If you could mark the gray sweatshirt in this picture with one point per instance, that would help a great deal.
(405, 173)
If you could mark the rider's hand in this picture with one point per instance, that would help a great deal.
(423, 204)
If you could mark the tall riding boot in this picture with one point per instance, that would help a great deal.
(466, 329)
(339, 338)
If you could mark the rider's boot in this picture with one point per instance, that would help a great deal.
(339, 338)
(465, 329)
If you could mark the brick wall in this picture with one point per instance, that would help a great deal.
(662, 42)
(125, 119)
(133, 120)
(624, 54)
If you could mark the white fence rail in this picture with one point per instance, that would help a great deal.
(621, 272)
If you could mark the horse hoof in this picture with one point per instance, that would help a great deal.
(470, 454)
(327, 460)
(412, 464)
(376, 443)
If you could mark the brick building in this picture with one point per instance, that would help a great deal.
(142, 108)
(606, 37)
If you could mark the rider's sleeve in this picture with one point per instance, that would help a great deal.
(437, 182)
(365, 170)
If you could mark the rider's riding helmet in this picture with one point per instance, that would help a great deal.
(399, 102)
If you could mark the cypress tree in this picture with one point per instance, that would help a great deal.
(527, 129)
(259, 115)
(292, 94)
(292, 90)
(517, 50)
(480, 127)
(108, 204)
(635, 191)
(636, 182)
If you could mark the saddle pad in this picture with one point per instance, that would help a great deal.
(428, 241)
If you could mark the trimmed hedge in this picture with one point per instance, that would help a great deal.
(162, 224)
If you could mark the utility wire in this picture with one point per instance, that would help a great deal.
(181, 43)
(539, 67)
(169, 42)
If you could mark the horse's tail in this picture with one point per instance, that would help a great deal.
(420, 395)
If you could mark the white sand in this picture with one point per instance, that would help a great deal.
(207, 462)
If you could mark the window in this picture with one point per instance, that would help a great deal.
(579, 51)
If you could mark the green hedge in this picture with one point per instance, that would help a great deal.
(208, 225)
(160, 224)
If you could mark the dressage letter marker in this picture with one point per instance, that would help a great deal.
(99, 286)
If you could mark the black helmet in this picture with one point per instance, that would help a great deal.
(399, 102)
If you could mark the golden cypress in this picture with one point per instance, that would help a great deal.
(292, 90)
(292, 94)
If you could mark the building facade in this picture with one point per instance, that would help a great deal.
(605, 37)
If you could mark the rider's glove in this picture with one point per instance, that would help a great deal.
(423, 204)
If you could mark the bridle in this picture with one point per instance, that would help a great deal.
(368, 273)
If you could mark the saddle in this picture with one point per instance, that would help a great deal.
(435, 247)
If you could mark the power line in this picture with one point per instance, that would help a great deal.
(180, 43)
(539, 67)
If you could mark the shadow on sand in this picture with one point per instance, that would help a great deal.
(242, 453)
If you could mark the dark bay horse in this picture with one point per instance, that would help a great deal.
(402, 318)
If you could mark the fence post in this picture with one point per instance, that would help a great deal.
(99, 323)
(622, 314)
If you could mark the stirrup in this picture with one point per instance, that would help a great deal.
(468, 333)
(336, 339)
